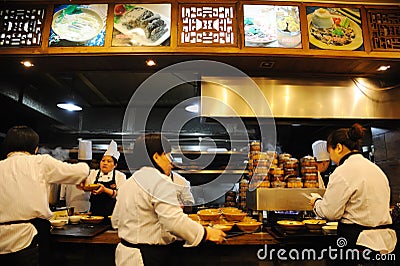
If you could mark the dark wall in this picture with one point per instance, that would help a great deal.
(387, 156)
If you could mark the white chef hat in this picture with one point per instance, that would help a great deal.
(319, 150)
(85, 150)
(112, 150)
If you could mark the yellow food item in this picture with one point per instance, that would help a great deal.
(289, 222)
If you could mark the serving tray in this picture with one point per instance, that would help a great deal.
(80, 230)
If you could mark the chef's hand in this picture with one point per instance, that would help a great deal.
(100, 190)
(314, 197)
(81, 185)
(215, 235)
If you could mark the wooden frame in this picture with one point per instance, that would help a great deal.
(178, 49)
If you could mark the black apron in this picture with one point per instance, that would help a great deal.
(157, 255)
(41, 239)
(351, 232)
(103, 204)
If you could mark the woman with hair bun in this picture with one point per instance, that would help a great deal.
(148, 214)
(357, 196)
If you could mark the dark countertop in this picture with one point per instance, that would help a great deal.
(269, 237)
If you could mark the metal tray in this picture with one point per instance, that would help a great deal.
(80, 230)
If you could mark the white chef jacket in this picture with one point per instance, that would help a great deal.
(358, 192)
(75, 197)
(183, 192)
(120, 177)
(147, 212)
(24, 186)
(320, 181)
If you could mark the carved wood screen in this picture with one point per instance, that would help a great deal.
(207, 25)
(384, 28)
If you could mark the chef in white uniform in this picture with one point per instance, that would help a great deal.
(102, 200)
(183, 192)
(24, 202)
(147, 213)
(73, 196)
(358, 195)
(321, 154)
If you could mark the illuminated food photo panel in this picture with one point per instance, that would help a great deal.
(271, 26)
(142, 25)
(78, 25)
(334, 28)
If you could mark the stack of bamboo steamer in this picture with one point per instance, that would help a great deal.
(243, 188)
(259, 165)
(309, 172)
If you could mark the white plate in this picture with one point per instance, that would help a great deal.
(138, 37)
(260, 40)
(355, 44)
(77, 27)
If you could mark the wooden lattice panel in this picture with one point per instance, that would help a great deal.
(384, 29)
(21, 26)
(207, 25)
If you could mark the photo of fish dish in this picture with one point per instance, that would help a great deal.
(140, 25)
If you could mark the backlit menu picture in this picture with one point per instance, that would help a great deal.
(334, 28)
(142, 25)
(78, 25)
(271, 26)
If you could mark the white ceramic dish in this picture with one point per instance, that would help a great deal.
(329, 229)
(58, 223)
(75, 219)
(77, 27)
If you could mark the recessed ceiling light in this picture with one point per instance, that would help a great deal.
(69, 107)
(151, 62)
(194, 108)
(27, 64)
(383, 68)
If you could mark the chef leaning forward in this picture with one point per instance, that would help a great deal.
(358, 195)
(148, 215)
(25, 180)
(102, 199)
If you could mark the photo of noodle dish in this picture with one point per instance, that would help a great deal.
(78, 25)
(258, 33)
(144, 25)
(333, 31)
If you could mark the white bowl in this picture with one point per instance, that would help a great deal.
(322, 18)
(74, 219)
(332, 223)
(329, 229)
(58, 223)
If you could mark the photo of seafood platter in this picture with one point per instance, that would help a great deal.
(141, 25)
(335, 28)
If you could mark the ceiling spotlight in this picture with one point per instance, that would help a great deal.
(194, 108)
(27, 64)
(150, 62)
(383, 68)
(69, 107)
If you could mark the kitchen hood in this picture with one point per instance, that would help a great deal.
(312, 97)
